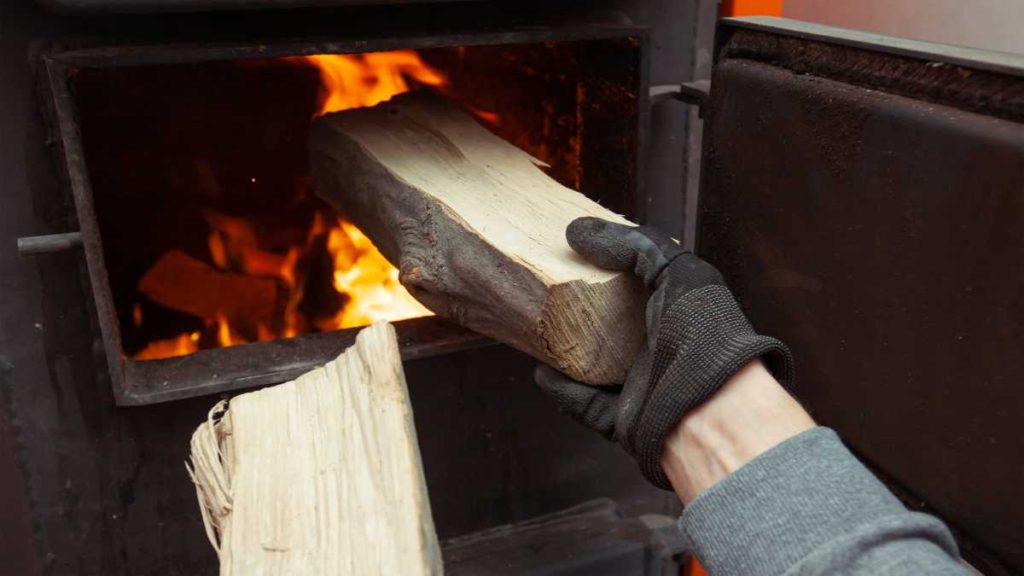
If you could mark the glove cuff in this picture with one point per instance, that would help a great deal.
(708, 340)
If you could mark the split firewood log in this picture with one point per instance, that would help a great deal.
(477, 230)
(321, 475)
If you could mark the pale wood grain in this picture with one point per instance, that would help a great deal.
(320, 475)
(478, 232)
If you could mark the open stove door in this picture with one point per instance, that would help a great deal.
(864, 197)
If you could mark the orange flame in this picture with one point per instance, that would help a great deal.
(366, 282)
(225, 336)
(361, 272)
(178, 346)
(356, 80)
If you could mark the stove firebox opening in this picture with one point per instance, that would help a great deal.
(213, 236)
(211, 232)
(213, 264)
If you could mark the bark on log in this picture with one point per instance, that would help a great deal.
(321, 475)
(477, 231)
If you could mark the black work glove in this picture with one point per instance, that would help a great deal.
(697, 337)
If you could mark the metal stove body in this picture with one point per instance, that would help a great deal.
(92, 443)
(861, 195)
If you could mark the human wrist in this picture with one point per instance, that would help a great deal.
(747, 416)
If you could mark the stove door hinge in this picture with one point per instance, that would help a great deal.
(693, 93)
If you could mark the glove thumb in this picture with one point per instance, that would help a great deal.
(643, 250)
(592, 407)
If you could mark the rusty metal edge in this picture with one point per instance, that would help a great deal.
(146, 55)
(70, 142)
(999, 62)
(224, 370)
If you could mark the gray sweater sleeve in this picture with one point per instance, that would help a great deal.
(807, 506)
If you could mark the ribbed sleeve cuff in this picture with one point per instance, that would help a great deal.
(778, 508)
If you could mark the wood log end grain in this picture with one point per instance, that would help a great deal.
(590, 336)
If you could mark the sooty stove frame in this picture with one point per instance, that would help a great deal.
(218, 370)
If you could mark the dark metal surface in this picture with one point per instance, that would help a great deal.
(48, 243)
(223, 370)
(68, 135)
(340, 43)
(882, 237)
(879, 44)
(19, 555)
(591, 539)
(681, 47)
(611, 73)
(108, 491)
(704, 34)
(934, 80)
(692, 93)
(143, 6)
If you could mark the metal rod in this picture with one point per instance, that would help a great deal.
(694, 93)
(48, 243)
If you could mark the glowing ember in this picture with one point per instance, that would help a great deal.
(364, 284)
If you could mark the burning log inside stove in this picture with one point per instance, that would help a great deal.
(479, 232)
(189, 285)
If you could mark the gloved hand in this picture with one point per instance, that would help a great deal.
(697, 337)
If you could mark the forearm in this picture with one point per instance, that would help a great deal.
(748, 415)
(768, 493)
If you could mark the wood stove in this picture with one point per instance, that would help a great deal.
(819, 147)
(151, 128)
(167, 147)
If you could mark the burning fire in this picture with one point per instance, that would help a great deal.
(365, 284)
(356, 80)
(177, 346)
(360, 270)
